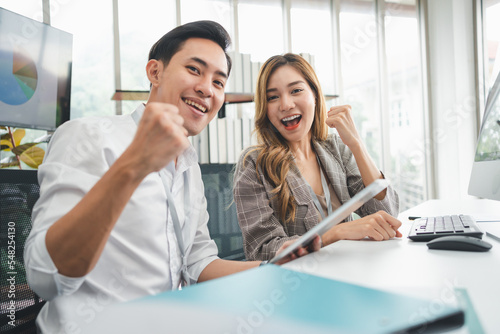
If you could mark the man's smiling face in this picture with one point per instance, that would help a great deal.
(194, 81)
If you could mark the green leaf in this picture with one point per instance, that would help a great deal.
(5, 144)
(9, 162)
(18, 150)
(33, 156)
(18, 136)
(5, 136)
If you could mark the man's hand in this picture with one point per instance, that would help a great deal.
(160, 136)
(314, 246)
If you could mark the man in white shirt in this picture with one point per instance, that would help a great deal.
(104, 227)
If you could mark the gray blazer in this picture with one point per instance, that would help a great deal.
(263, 233)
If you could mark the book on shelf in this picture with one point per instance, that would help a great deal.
(203, 146)
(253, 136)
(247, 73)
(213, 145)
(236, 78)
(255, 74)
(308, 57)
(231, 153)
(238, 140)
(222, 139)
(245, 132)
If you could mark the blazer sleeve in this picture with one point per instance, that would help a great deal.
(263, 234)
(389, 204)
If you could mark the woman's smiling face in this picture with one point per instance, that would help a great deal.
(290, 104)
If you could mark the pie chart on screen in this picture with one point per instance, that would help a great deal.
(18, 76)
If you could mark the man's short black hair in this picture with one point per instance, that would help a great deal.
(167, 46)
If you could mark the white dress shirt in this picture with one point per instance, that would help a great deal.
(141, 256)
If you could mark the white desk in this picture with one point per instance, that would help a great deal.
(405, 266)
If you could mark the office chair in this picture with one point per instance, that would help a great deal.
(18, 193)
(223, 220)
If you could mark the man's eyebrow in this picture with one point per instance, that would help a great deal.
(204, 64)
(289, 85)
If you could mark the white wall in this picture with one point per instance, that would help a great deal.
(453, 104)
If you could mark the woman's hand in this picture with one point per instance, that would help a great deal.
(378, 226)
(340, 118)
(314, 246)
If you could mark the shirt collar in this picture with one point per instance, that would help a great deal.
(187, 159)
(137, 113)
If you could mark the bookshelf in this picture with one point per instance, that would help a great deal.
(229, 98)
(226, 136)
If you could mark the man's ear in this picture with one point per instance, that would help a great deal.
(154, 68)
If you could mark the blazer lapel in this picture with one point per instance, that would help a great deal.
(336, 175)
(300, 190)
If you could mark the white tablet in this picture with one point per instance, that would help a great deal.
(336, 217)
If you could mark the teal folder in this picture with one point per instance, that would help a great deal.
(271, 295)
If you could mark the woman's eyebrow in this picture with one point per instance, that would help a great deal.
(289, 85)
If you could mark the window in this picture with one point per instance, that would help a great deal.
(216, 10)
(140, 27)
(405, 102)
(381, 76)
(360, 71)
(311, 33)
(260, 40)
(92, 73)
(491, 29)
(29, 8)
(374, 45)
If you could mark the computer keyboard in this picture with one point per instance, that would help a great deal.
(428, 228)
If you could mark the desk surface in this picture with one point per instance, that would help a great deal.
(405, 266)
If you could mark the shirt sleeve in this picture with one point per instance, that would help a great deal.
(263, 234)
(68, 172)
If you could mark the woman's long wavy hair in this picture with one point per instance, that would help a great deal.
(275, 157)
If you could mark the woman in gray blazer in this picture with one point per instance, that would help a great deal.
(298, 173)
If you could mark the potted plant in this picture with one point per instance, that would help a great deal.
(11, 141)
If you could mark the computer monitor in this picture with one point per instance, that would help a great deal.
(485, 176)
(35, 73)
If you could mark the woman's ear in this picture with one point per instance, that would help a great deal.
(154, 69)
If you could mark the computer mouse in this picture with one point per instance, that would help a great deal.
(460, 243)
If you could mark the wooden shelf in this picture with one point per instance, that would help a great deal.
(238, 97)
(130, 95)
(142, 95)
